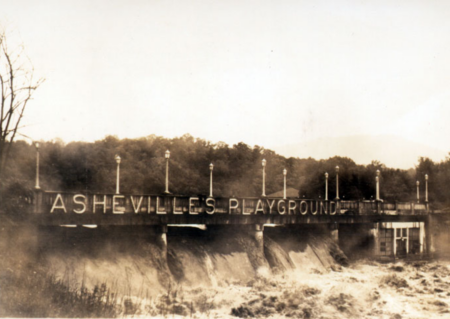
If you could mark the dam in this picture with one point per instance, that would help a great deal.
(381, 229)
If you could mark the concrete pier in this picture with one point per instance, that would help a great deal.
(374, 234)
(334, 231)
(429, 227)
(257, 233)
(161, 239)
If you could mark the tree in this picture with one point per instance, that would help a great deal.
(17, 86)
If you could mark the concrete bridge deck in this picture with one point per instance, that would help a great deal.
(57, 208)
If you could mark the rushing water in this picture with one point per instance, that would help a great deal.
(222, 274)
(363, 290)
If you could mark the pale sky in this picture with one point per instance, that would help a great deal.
(263, 72)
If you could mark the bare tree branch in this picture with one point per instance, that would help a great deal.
(17, 85)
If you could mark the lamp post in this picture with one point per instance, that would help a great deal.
(418, 197)
(337, 182)
(377, 179)
(284, 188)
(167, 156)
(426, 191)
(326, 186)
(211, 167)
(37, 165)
(117, 158)
(264, 177)
(377, 194)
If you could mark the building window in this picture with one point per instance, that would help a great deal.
(401, 232)
(386, 237)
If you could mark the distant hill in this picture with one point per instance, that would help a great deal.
(391, 150)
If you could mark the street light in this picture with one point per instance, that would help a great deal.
(284, 189)
(167, 156)
(337, 182)
(117, 158)
(264, 178)
(37, 165)
(418, 197)
(326, 186)
(377, 179)
(211, 168)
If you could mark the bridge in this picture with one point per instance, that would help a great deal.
(57, 208)
(386, 225)
(349, 222)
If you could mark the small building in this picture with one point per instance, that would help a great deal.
(400, 239)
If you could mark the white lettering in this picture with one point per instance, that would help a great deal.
(175, 211)
(314, 212)
(163, 212)
(120, 210)
(259, 207)
(80, 211)
(212, 205)
(62, 206)
(332, 211)
(191, 205)
(323, 208)
(149, 206)
(270, 205)
(244, 212)
(281, 212)
(95, 203)
(292, 208)
(136, 209)
(231, 207)
(303, 204)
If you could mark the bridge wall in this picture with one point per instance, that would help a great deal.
(439, 235)
(359, 239)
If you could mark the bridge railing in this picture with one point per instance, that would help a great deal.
(372, 207)
(411, 208)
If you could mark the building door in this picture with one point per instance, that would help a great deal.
(401, 241)
(401, 247)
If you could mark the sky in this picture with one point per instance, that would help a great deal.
(266, 73)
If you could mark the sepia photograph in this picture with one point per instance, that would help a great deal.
(225, 159)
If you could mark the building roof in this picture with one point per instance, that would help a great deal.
(290, 192)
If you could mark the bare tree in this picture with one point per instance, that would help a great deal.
(17, 86)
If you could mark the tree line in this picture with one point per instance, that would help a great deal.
(91, 167)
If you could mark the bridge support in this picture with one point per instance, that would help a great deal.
(378, 206)
(257, 233)
(161, 239)
(374, 234)
(429, 229)
(334, 232)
